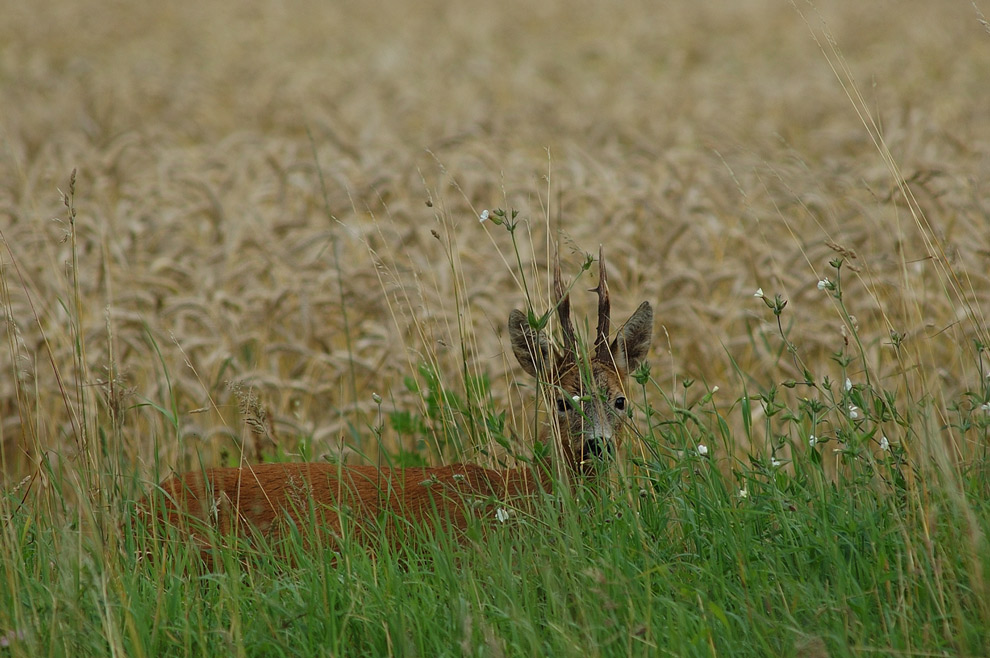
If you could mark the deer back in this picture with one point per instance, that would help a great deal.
(364, 501)
(585, 390)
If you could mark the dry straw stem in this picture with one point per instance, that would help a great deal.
(708, 147)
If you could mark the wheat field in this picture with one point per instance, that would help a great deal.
(243, 232)
(277, 206)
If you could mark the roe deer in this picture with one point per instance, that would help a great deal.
(584, 391)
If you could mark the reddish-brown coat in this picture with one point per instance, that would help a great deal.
(267, 499)
(370, 504)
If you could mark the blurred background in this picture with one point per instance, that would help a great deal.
(277, 208)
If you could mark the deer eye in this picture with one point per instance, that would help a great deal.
(620, 403)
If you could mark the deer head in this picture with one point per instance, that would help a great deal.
(585, 388)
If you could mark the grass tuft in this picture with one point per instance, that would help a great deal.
(296, 235)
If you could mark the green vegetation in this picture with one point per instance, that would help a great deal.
(835, 541)
(271, 250)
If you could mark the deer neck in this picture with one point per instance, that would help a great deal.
(533, 478)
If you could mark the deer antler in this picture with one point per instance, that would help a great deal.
(268, 500)
(601, 337)
(563, 308)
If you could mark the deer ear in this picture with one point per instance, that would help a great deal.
(530, 346)
(633, 340)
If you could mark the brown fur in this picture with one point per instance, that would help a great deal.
(369, 504)
(598, 382)
(266, 500)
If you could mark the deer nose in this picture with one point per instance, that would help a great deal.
(599, 447)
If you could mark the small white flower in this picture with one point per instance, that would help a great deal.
(483, 217)
(702, 450)
(985, 408)
(8, 639)
(884, 443)
(812, 440)
(758, 293)
(853, 411)
(849, 384)
(775, 462)
(743, 493)
(824, 283)
(501, 515)
(714, 389)
(377, 398)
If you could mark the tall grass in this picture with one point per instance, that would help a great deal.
(276, 270)
(828, 526)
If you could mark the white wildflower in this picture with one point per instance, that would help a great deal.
(377, 398)
(501, 515)
(483, 217)
(775, 462)
(853, 411)
(758, 293)
(812, 441)
(702, 450)
(714, 389)
(985, 408)
(884, 443)
(743, 493)
(824, 283)
(849, 384)
(8, 639)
